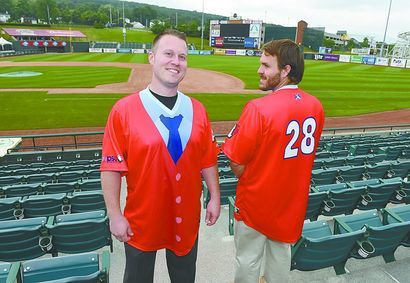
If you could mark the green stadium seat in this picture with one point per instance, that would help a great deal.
(323, 176)
(21, 239)
(378, 195)
(11, 180)
(41, 178)
(315, 203)
(9, 272)
(350, 174)
(81, 268)
(379, 171)
(341, 199)
(378, 239)
(71, 176)
(86, 201)
(44, 205)
(363, 183)
(401, 169)
(58, 188)
(8, 207)
(89, 185)
(334, 162)
(22, 190)
(78, 233)
(319, 248)
(397, 215)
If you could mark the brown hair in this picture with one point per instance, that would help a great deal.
(287, 53)
(172, 32)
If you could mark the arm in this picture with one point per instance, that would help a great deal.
(237, 169)
(111, 187)
(213, 208)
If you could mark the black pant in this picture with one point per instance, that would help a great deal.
(139, 265)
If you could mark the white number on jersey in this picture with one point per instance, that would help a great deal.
(307, 144)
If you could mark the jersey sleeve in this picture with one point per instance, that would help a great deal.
(210, 148)
(114, 145)
(243, 139)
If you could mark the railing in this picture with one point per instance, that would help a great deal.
(64, 141)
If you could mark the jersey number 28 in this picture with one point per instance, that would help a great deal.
(307, 145)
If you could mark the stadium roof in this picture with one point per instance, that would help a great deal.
(43, 32)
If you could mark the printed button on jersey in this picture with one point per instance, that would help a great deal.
(178, 220)
(178, 199)
(177, 238)
(178, 177)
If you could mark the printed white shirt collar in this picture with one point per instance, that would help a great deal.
(288, 87)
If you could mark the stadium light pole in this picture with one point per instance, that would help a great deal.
(202, 25)
(385, 30)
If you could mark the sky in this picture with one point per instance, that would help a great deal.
(360, 18)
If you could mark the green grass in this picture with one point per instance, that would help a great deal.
(344, 90)
(64, 77)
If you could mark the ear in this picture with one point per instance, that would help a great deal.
(285, 71)
(151, 57)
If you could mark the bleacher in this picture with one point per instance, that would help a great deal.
(52, 211)
(105, 45)
(136, 45)
(53, 217)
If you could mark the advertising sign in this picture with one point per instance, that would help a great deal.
(250, 42)
(356, 59)
(319, 56)
(138, 51)
(382, 61)
(230, 52)
(344, 58)
(95, 50)
(241, 52)
(124, 50)
(398, 62)
(331, 57)
(369, 60)
(110, 50)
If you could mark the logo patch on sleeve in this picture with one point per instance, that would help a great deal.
(234, 131)
(112, 158)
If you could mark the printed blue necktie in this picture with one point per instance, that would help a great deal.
(174, 141)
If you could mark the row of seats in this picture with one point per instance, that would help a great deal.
(69, 176)
(344, 198)
(84, 267)
(50, 156)
(105, 45)
(335, 199)
(66, 233)
(49, 169)
(357, 173)
(50, 205)
(360, 160)
(361, 236)
(60, 163)
(23, 190)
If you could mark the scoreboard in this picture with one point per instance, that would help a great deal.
(236, 34)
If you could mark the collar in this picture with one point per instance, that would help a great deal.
(287, 87)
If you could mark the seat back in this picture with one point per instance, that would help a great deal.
(87, 201)
(62, 268)
(43, 205)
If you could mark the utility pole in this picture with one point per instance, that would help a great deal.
(385, 30)
(48, 14)
(176, 19)
(202, 26)
(124, 31)
(110, 17)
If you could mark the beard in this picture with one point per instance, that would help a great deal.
(270, 83)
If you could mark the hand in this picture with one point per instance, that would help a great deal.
(213, 210)
(120, 228)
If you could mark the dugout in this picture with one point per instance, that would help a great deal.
(44, 41)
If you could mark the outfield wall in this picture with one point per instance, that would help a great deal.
(360, 59)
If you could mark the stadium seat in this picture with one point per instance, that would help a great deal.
(400, 169)
(58, 188)
(8, 207)
(323, 177)
(44, 205)
(350, 174)
(86, 201)
(319, 248)
(80, 232)
(79, 268)
(231, 201)
(377, 171)
(334, 162)
(12, 180)
(341, 199)
(315, 203)
(357, 160)
(89, 185)
(93, 174)
(21, 190)
(397, 215)
(378, 195)
(226, 173)
(378, 239)
(21, 239)
(363, 183)
(71, 176)
(41, 178)
(9, 272)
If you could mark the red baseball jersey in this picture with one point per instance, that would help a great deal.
(163, 202)
(276, 139)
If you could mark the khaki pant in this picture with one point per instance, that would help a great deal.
(250, 247)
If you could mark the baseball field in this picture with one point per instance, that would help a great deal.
(345, 89)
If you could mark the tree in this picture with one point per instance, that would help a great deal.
(6, 6)
(45, 8)
(329, 43)
(365, 42)
(158, 26)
